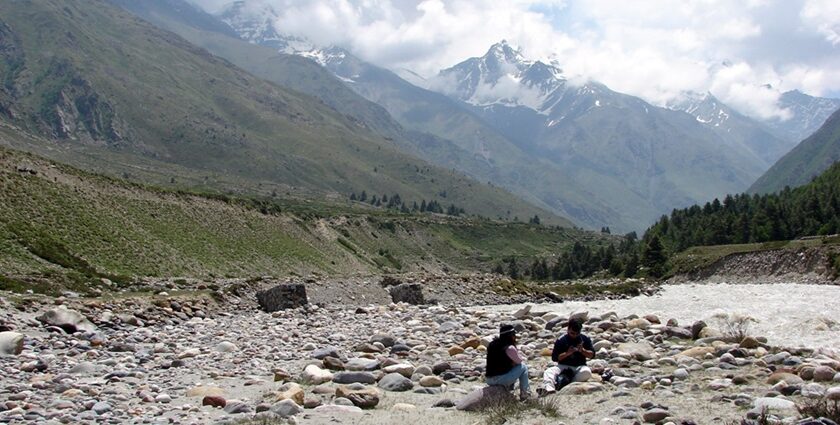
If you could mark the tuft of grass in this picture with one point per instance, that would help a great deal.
(508, 409)
(824, 408)
(735, 327)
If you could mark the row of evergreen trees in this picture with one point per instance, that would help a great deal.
(627, 258)
(396, 202)
(813, 209)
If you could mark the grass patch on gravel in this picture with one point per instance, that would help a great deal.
(507, 410)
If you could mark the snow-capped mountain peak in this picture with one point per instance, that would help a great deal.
(503, 76)
(704, 107)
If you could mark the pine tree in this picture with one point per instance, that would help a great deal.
(653, 257)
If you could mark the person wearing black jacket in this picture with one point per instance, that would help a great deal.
(505, 365)
(570, 352)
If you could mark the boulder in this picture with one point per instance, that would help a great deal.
(11, 343)
(823, 374)
(697, 352)
(365, 398)
(578, 388)
(774, 405)
(328, 351)
(226, 347)
(638, 323)
(395, 382)
(286, 408)
(409, 293)
(696, 328)
(638, 350)
(455, 350)
(291, 391)
(677, 332)
(70, 321)
(483, 398)
(354, 377)
(655, 415)
(523, 312)
(214, 401)
(314, 375)
(749, 342)
(282, 297)
(787, 377)
(833, 394)
(360, 363)
(204, 391)
(403, 369)
(431, 381)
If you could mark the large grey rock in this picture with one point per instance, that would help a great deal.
(286, 408)
(354, 377)
(360, 363)
(282, 297)
(395, 382)
(11, 343)
(483, 398)
(410, 293)
(70, 321)
(655, 415)
(774, 405)
(328, 351)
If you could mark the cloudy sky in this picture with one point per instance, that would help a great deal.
(655, 49)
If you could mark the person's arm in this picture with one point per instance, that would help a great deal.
(561, 351)
(513, 354)
(586, 348)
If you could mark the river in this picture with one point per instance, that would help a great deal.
(792, 315)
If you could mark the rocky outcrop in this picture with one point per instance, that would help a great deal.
(410, 293)
(813, 265)
(282, 297)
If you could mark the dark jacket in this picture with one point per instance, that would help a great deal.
(563, 344)
(498, 362)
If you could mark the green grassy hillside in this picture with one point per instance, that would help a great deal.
(61, 227)
(807, 160)
(114, 94)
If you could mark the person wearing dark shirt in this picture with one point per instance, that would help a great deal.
(570, 352)
(505, 364)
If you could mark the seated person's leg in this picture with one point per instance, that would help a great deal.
(583, 374)
(507, 380)
(549, 377)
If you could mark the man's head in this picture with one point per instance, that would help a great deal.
(507, 332)
(574, 329)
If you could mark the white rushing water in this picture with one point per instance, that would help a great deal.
(792, 315)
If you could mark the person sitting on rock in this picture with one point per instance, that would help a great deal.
(505, 365)
(570, 352)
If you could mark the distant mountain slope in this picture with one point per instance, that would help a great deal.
(106, 85)
(806, 161)
(808, 114)
(808, 210)
(60, 226)
(735, 128)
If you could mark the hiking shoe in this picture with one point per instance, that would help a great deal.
(544, 392)
(525, 396)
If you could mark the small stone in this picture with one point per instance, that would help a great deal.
(455, 350)
(431, 381)
(833, 393)
(214, 401)
(101, 407)
(655, 415)
(403, 407)
(286, 408)
(314, 375)
(325, 352)
(395, 382)
(365, 398)
(823, 374)
(226, 347)
(163, 398)
(444, 403)
(11, 343)
(354, 377)
(749, 343)
(237, 407)
(291, 391)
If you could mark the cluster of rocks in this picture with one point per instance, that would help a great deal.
(184, 361)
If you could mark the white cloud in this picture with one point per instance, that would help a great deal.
(655, 49)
